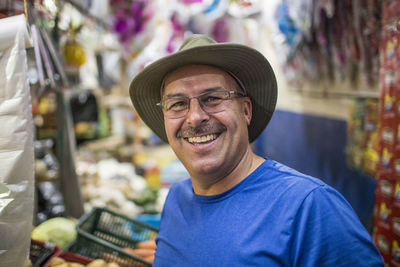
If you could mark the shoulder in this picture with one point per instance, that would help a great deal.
(301, 194)
(307, 191)
(310, 190)
(327, 232)
(277, 170)
(283, 181)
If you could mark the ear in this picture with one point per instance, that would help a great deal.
(247, 109)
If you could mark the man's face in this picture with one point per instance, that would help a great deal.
(208, 144)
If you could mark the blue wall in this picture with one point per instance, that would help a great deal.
(316, 146)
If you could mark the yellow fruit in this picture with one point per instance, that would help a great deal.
(97, 263)
(74, 53)
(56, 261)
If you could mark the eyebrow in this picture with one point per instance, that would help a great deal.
(218, 88)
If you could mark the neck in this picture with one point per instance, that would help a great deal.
(207, 186)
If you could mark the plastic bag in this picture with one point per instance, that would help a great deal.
(16, 145)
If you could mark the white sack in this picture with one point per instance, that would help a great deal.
(16, 145)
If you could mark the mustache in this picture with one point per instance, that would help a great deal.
(201, 129)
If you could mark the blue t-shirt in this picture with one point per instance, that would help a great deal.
(274, 217)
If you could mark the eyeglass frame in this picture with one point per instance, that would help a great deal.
(201, 104)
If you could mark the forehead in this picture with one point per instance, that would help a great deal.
(197, 77)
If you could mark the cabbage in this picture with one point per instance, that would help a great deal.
(59, 231)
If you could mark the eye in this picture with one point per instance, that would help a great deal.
(176, 104)
(213, 98)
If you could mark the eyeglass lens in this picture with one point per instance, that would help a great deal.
(210, 102)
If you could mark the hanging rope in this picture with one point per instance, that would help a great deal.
(26, 11)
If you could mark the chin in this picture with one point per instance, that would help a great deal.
(203, 167)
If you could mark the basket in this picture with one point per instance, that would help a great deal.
(102, 234)
(40, 252)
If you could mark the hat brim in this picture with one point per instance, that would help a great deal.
(246, 63)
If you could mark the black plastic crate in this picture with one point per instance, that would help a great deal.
(103, 234)
(40, 252)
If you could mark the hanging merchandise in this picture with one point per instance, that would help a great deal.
(330, 41)
(73, 51)
(367, 28)
(344, 51)
(177, 36)
(229, 21)
(44, 115)
(287, 25)
(300, 12)
(387, 198)
(85, 115)
(244, 8)
(184, 17)
(323, 29)
(287, 39)
(191, 8)
(133, 22)
(215, 7)
(46, 164)
(220, 30)
(50, 202)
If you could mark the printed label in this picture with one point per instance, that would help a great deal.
(395, 251)
(383, 244)
(397, 192)
(386, 157)
(396, 225)
(386, 188)
(388, 135)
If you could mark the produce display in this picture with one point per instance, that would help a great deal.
(60, 262)
(145, 250)
(109, 183)
(119, 186)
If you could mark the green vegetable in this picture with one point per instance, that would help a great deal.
(148, 196)
(59, 231)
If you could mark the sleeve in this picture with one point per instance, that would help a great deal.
(328, 233)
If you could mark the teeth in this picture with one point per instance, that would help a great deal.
(201, 139)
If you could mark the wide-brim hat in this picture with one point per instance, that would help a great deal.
(244, 63)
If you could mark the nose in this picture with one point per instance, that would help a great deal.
(196, 115)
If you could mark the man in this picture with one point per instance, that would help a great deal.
(210, 101)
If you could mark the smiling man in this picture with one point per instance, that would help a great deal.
(209, 101)
(209, 135)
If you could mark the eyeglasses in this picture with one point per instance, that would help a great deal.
(211, 102)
